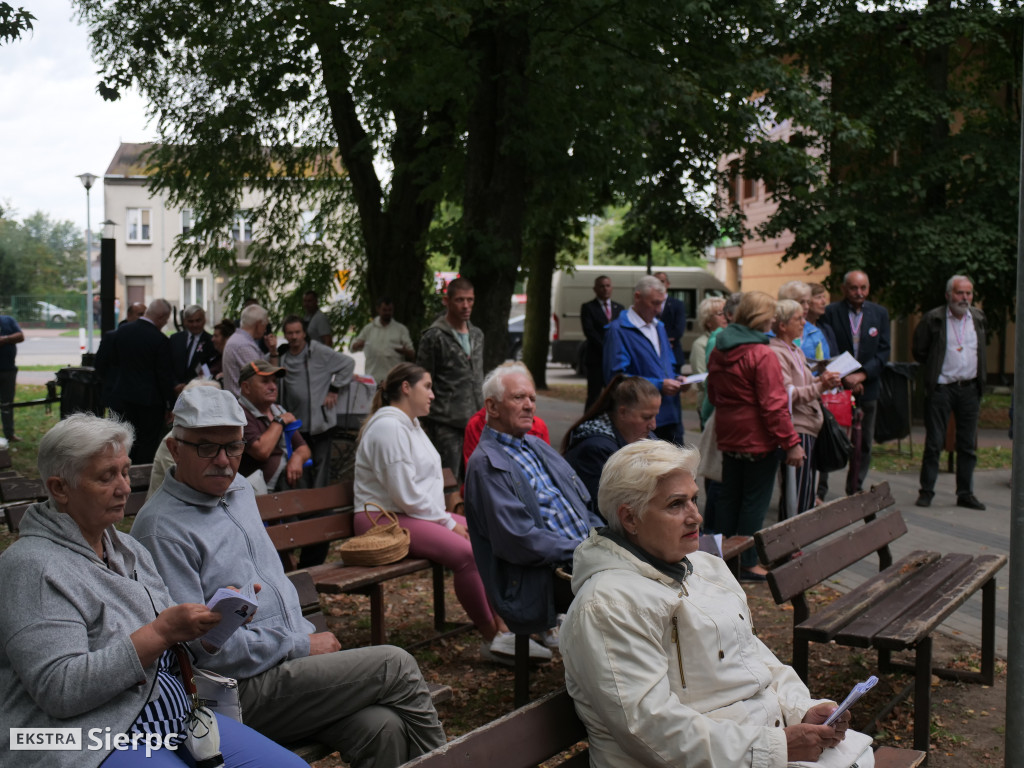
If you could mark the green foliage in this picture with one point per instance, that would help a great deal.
(904, 153)
(13, 22)
(40, 256)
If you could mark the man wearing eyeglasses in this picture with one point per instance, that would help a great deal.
(266, 427)
(203, 530)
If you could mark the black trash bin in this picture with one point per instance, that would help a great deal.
(893, 420)
(80, 390)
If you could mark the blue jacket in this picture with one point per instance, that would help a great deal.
(515, 551)
(627, 350)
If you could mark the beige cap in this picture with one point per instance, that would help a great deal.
(208, 407)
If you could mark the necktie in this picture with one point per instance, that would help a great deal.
(608, 310)
(191, 349)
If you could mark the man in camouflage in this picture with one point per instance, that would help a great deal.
(452, 351)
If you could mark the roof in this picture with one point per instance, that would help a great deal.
(128, 162)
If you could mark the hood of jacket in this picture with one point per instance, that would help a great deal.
(736, 335)
(43, 520)
(393, 413)
(598, 553)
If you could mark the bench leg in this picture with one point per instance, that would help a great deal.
(885, 660)
(923, 694)
(800, 657)
(378, 636)
(988, 632)
(439, 618)
(522, 671)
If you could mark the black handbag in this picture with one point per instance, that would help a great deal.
(832, 447)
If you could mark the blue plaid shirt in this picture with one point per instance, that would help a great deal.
(558, 514)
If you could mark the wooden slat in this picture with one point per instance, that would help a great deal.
(138, 476)
(528, 736)
(823, 625)
(450, 483)
(5, 459)
(816, 565)
(9, 473)
(902, 602)
(13, 514)
(21, 489)
(314, 530)
(784, 538)
(734, 546)
(304, 501)
(335, 578)
(135, 502)
(891, 757)
(943, 602)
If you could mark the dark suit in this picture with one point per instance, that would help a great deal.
(594, 320)
(872, 353)
(138, 358)
(962, 398)
(184, 367)
(673, 315)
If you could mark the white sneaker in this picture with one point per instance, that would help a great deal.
(550, 638)
(504, 644)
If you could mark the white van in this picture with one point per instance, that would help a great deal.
(570, 290)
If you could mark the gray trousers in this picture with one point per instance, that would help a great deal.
(370, 704)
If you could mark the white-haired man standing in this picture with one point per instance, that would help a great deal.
(204, 531)
(242, 347)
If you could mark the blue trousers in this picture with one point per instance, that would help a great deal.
(241, 746)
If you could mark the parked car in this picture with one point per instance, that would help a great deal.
(515, 337)
(51, 313)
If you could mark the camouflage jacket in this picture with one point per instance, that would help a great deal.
(458, 379)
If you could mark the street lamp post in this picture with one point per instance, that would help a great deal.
(87, 180)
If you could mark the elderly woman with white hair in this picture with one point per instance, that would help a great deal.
(660, 654)
(87, 626)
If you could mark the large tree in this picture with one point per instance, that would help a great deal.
(40, 256)
(905, 150)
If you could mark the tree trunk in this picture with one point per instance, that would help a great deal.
(494, 206)
(541, 263)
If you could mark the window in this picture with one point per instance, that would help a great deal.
(749, 188)
(241, 230)
(193, 291)
(187, 221)
(138, 225)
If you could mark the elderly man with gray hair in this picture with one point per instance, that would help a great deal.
(243, 346)
(636, 344)
(191, 347)
(204, 531)
(530, 508)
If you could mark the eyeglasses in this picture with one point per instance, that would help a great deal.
(210, 450)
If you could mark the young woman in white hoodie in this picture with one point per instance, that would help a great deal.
(398, 468)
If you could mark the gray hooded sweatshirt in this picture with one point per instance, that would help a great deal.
(66, 655)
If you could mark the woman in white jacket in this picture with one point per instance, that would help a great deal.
(398, 468)
(660, 654)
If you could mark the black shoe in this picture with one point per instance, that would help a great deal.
(970, 501)
(924, 499)
(746, 575)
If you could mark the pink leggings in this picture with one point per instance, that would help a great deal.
(432, 541)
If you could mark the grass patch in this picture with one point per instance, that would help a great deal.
(30, 424)
(885, 459)
(995, 412)
(40, 367)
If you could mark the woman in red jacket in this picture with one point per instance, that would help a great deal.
(752, 422)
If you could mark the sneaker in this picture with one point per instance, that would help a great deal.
(970, 501)
(486, 655)
(504, 644)
(924, 499)
(550, 638)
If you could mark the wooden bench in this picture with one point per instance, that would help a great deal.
(897, 609)
(541, 731)
(303, 517)
(309, 599)
(20, 488)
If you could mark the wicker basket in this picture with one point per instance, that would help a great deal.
(382, 544)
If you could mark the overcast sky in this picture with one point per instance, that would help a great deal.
(53, 124)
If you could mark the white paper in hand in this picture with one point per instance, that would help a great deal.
(234, 608)
(858, 690)
(844, 365)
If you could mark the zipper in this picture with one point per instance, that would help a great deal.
(679, 650)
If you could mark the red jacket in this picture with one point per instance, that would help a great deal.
(751, 407)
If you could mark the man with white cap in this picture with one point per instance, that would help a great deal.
(204, 530)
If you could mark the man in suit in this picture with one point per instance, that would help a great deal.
(673, 315)
(191, 347)
(595, 315)
(862, 329)
(135, 310)
(139, 357)
(950, 343)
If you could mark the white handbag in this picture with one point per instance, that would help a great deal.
(219, 693)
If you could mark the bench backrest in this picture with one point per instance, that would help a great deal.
(304, 512)
(21, 489)
(842, 532)
(14, 513)
(5, 458)
(138, 476)
(527, 737)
